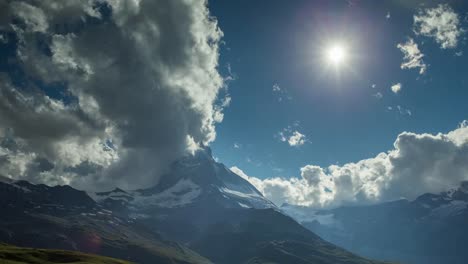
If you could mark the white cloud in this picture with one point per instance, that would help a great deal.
(378, 95)
(417, 164)
(141, 83)
(403, 111)
(280, 93)
(400, 110)
(374, 85)
(276, 88)
(226, 101)
(388, 16)
(293, 137)
(297, 139)
(440, 23)
(396, 88)
(413, 58)
(294, 191)
(236, 145)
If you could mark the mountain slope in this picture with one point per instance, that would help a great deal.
(17, 255)
(267, 236)
(61, 217)
(430, 229)
(202, 204)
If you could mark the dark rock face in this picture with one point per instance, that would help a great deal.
(61, 217)
(23, 193)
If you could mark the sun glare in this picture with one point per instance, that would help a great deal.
(336, 54)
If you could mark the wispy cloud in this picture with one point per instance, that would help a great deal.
(404, 111)
(281, 93)
(378, 95)
(413, 58)
(440, 23)
(401, 110)
(292, 136)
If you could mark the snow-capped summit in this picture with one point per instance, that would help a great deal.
(199, 178)
(444, 204)
(194, 180)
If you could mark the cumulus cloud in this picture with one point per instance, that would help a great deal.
(311, 188)
(413, 58)
(440, 23)
(418, 163)
(396, 88)
(297, 139)
(106, 92)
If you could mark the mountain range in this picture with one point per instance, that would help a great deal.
(199, 212)
(430, 229)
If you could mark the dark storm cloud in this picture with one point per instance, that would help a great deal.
(143, 80)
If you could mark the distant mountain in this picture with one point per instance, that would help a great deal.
(18, 255)
(432, 229)
(199, 204)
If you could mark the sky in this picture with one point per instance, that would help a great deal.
(346, 114)
(316, 103)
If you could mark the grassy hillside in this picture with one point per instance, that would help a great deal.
(93, 234)
(17, 255)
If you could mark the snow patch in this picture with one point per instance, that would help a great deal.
(180, 194)
(252, 198)
(238, 194)
(455, 207)
(24, 189)
(244, 205)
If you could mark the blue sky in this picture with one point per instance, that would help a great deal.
(271, 42)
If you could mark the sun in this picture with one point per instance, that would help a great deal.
(336, 54)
